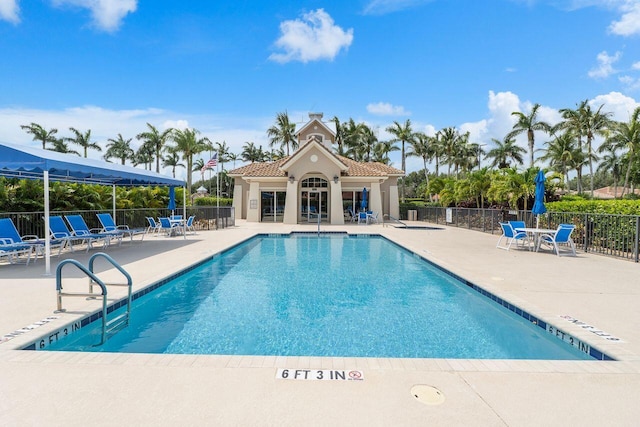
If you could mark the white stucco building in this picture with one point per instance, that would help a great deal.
(313, 180)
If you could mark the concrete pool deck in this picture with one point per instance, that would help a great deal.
(59, 388)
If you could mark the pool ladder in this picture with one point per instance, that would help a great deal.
(111, 327)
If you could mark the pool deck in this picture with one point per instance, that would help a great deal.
(78, 389)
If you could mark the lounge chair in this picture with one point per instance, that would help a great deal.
(109, 226)
(154, 226)
(171, 229)
(60, 232)
(560, 239)
(80, 228)
(12, 245)
(510, 236)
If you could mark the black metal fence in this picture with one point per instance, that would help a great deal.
(206, 218)
(606, 234)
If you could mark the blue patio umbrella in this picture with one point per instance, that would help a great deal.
(363, 203)
(172, 199)
(538, 205)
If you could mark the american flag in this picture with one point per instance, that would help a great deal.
(211, 163)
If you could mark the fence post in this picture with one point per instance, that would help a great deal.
(586, 232)
(637, 238)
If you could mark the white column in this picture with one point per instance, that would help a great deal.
(337, 212)
(253, 210)
(291, 203)
(375, 204)
(394, 202)
(238, 196)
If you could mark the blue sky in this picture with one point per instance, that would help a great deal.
(227, 68)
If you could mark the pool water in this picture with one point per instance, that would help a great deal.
(332, 295)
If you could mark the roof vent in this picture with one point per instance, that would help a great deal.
(315, 116)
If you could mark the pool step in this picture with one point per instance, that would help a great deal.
(117, 323)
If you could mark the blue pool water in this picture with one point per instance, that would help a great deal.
(333, 295)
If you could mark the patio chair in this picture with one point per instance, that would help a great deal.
(154, 226)
(373, 217)
(60, 232)
(80, 228)
(171, 229)
(353, 216)
(518, 224)
(510, 236)
(109, 226)
(189, 225)
(12, 245)
(362, 218)
(560, 239)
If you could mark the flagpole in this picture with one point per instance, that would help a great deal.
(218, 185)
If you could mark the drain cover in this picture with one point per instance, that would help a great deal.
(427, 394)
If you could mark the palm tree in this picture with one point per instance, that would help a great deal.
(233, 157)
(156, 140)
(611, 162)
(402, 134)
(449, 140)
(83, 140)
(352, 136)
(381, 151)
(595, 123)
(505, 151)
(479, 184)
(283, 133)
(339, 136)
(41, 134)
(561, 153)
(144, 156)
(251, 153)
(574, 123)
(627, 136)
(119, 148)
(529, 124)
(60, 146)
(188, 144)
(172, 160)
(421, 147)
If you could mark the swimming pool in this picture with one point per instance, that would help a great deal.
(329, 295)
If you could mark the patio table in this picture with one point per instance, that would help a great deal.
(535, 234)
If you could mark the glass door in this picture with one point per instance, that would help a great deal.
(312, 204)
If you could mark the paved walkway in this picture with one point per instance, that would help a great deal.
(60, 388)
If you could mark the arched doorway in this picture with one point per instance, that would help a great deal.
(314, 200)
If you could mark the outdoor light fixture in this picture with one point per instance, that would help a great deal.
(291, 179)
(335, 178)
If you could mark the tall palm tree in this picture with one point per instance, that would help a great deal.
(155, 139)
(144, 156)
(381, 151)
(119, 148)
(41, 134)
(403, 134)
(627, 136)
(450, 142)
(339, 136)
(574, 123)
(421, 147)
(283, 132)
(83, 140)
(504, 152)
(528, 123)
(188, 145)
(562, 153)
(352, 136)
(595, 123)
(172, 160)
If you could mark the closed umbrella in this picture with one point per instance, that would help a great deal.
(538, 205)
(172, 200)
(363, 203)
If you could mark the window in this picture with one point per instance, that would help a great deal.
(315, 183)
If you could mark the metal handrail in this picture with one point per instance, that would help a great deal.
(129, 283)
(93, 277)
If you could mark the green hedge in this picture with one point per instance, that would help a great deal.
(619, 207)
(213, 201)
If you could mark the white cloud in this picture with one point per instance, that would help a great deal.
(629, 22)
(107, 14)
(381, 7)
(9, 11)
(605, 65)
(312, 38)
(386, 109)
(621, 106)
(636, 65)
